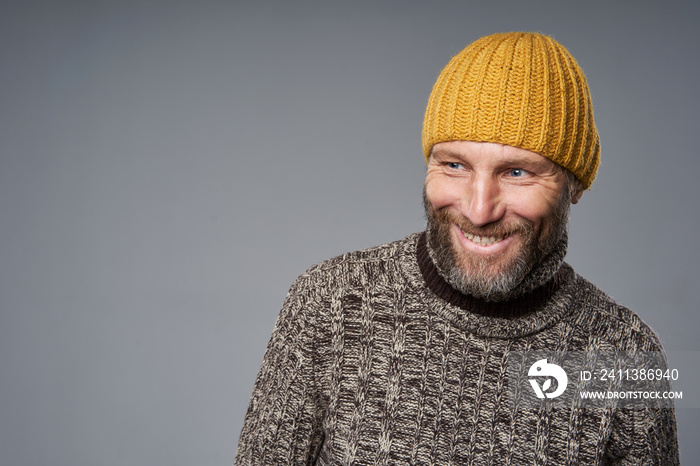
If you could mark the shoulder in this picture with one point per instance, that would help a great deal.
(616, 322)
(337, 286)
(362, 267)
(381, 253)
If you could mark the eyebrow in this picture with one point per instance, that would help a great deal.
(445, 153)
(506, 159)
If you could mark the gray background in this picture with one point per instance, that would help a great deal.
(168, 168)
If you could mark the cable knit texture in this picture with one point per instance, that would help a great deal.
(520, 89)
(374, 360)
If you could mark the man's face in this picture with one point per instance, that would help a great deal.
(494, 211)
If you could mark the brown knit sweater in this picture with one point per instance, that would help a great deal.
(376, 360)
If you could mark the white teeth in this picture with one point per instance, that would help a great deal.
(482, 240)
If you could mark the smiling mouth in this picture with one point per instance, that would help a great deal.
(483, 240)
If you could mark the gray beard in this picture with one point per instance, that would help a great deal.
(538, 260)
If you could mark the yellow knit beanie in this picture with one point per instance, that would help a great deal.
(519, 89)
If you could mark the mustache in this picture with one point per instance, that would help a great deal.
(497, 229)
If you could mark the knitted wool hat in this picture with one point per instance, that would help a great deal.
(519, 89)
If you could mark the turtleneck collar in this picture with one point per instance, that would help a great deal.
(528, 297)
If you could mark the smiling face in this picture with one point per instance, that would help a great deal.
(494, 211)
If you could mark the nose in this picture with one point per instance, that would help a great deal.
(482, 201)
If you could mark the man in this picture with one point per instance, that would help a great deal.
(399, 354)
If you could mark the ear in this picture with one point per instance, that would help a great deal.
(576, 195)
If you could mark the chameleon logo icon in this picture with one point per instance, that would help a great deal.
(552, 371)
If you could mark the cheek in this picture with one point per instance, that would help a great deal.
(441, 193)
(533, 208)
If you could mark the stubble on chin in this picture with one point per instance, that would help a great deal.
(492, 277)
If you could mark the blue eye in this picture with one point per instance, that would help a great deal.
(454, 165)
(516, 172)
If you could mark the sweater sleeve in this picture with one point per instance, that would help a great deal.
(644, 436)
(282, 424)
(646, 433)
